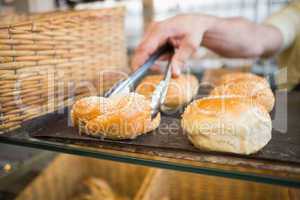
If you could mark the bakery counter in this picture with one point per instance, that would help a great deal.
(277, 163)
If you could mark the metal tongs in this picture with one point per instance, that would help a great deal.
(159, 94)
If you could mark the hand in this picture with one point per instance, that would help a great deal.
(229, 37)
(184, 32)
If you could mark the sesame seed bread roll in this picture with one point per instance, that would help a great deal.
(118, 117)
(88, 108)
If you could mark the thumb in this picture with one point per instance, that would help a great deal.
(182, 54)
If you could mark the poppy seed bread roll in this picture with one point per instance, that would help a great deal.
(181, 90)
(118, 117)
(227, 124)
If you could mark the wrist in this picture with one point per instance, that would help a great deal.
(208, 23)
(271, 39)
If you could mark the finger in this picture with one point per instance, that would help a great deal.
(149, 30)
(165, 57)
(147, 48)
(184, 52)
(156, 68)
(138, 59)
(138, 56)
(156, 37)
(176, 71)
(175, 41)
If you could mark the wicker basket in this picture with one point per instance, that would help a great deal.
(62, 178)
(173, 185)
(47, 59)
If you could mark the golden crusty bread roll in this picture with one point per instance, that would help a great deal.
(117, 117)
(181, 90)
(227, 124)
(88, 108)
(94, 189)
(241, 76)
(246, 85)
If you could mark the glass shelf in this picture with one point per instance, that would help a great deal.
(278, 163)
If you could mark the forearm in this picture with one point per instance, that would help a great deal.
(230, 37)
(238, 37)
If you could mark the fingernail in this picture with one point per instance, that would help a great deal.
(176, 70)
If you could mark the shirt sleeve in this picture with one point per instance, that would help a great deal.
(287, 21)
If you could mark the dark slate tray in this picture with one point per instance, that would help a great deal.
(284, 146)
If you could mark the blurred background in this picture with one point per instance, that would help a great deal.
(141, 12)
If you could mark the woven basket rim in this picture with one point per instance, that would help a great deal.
(41, 17)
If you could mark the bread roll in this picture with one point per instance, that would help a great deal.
(118, 117)
(227, 124)
(88, 108)
(242, 76)
(253, 87)
(95, 188)
(181, 90)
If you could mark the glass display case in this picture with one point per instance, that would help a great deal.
(277, 164)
